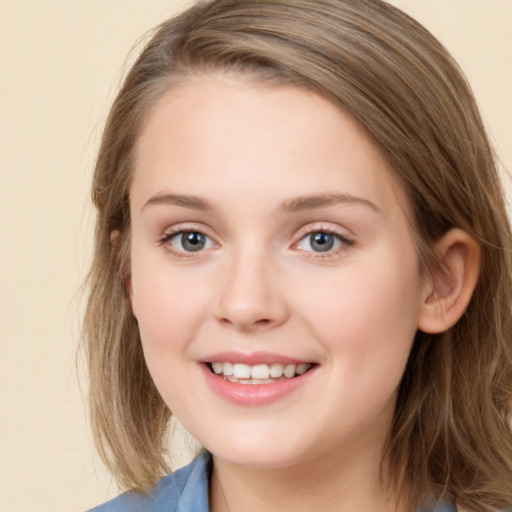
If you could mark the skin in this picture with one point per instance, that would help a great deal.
(247, 151)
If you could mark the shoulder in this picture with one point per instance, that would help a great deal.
(183, 491)
(448, 507)
(436, 506)
(508, 509)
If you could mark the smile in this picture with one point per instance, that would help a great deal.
(258, 373)
(271, 376)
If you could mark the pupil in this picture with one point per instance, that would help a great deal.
(322, 242)
(192, 241)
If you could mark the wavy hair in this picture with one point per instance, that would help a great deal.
(451, 434)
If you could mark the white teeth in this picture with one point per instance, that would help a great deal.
(255, 381)
(227, 369)
(302, 368)
(289, 370)
(259, 373)
(241, 371)
(276, 370)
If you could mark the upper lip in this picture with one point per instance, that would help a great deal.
(251, 358)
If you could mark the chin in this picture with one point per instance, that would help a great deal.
(263, 453)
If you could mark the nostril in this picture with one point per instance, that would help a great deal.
(262, 321)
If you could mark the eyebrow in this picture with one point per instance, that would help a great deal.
(312, 202)
(185, 201)
(297, 204)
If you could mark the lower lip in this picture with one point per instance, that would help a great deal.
(254, 394)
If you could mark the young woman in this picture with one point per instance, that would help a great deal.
(302, 251)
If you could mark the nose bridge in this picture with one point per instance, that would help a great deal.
(249, 297)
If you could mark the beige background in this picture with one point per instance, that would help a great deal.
(60, 64)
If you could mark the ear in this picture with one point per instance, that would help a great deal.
(448, 290)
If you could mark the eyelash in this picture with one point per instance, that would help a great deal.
(167, 238)
(344, 242)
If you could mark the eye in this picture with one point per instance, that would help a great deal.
(189, 241)
(322, 241)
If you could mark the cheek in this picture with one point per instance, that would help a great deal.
(167, 307)
(169, 313)
(367, 317)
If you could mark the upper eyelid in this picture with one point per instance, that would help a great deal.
(166, 241)
(343, 238)
(346, 237)
(327, 227)
(171, 234)
(186, 227)
(165, 238)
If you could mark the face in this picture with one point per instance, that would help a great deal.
(273, 272)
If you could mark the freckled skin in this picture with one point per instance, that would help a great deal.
(259, 285)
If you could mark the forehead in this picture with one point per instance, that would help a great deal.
(223, 136)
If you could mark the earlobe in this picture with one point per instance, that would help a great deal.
(448, 290)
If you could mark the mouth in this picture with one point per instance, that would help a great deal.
(262, 373)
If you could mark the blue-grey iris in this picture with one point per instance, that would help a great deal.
(193, 241)
(321, 242)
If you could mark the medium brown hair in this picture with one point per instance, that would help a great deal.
(451, 435)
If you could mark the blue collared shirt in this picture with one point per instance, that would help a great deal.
(186, 490)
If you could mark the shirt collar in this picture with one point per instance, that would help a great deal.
(195, 493)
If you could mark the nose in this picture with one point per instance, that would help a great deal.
(250, 298)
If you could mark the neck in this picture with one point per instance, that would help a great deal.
(327, 483)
